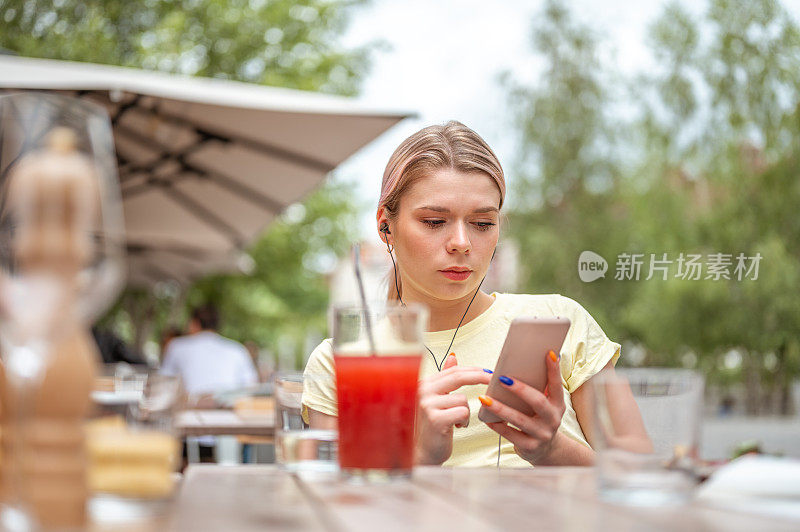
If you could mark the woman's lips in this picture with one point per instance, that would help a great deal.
(456, 276)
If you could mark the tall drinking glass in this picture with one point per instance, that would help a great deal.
(298, 447)
(62, 254)
(132, 462)
(660, 471)
(377, 353)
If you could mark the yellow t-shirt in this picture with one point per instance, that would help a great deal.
(586, 351)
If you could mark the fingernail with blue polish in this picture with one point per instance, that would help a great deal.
(488, 370)
(508, 381)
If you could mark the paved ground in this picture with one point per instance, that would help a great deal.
(776, 435)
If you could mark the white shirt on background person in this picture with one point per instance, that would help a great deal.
(209, 363)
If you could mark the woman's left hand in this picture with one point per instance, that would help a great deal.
(536, 437)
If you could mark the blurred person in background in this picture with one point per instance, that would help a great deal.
(207, 362)
(113, 349)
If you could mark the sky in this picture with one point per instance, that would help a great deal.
(442, 59)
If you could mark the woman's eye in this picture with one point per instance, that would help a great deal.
(433, 223)
(483, 226)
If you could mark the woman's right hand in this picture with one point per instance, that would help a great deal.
(440, 409)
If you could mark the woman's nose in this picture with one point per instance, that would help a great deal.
(459, 240)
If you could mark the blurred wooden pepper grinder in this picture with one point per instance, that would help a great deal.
(55, 194)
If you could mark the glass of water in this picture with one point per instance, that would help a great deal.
(663, 470)
(299, 448)
(132, 462)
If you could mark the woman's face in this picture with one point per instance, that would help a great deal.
(444, 234)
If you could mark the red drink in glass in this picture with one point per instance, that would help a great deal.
(377, 406)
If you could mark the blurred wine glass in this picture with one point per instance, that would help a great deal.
(62, 245)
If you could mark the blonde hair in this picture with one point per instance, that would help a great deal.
(452, 145)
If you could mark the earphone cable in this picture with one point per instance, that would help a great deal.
(452, 340)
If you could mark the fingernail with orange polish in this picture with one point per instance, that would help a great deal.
(553, 356)
(485, 401)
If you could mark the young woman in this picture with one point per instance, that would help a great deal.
(439, 214)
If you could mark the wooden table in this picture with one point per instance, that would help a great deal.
(245, 498)
(224, 423)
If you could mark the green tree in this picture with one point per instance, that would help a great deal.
(725, 117)
(564, 198)
(708, 164)
(287, 43)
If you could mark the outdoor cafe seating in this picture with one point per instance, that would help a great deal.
(87, 450)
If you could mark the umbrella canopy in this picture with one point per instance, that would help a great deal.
(206, 164)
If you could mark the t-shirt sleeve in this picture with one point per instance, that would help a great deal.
(587, 347)
(170, 365)
(319, 391)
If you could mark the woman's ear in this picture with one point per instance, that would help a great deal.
(383, 226)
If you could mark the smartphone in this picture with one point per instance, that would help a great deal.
(523, 358)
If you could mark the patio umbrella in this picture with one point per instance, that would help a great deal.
(206, 164)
